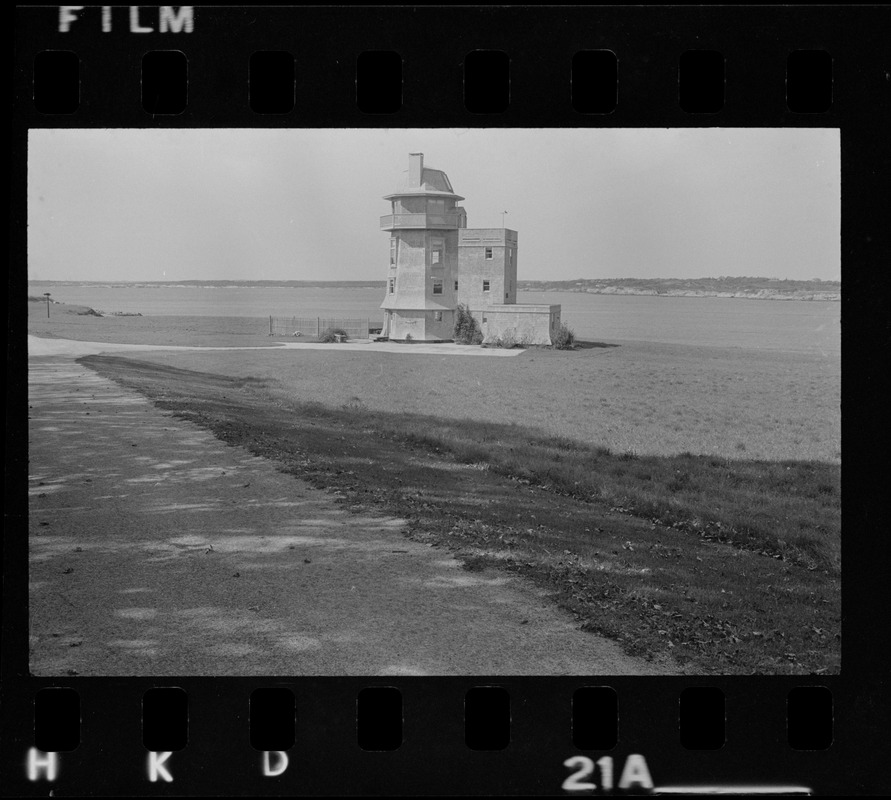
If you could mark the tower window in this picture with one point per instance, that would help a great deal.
(485, 286)
(393, 252)
(437, 316)
(489, 253)
(456, 286)
(437, 246)
(437, 287)
(392, 285)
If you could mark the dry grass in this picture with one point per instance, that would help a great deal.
(69, 322)
(640, 398)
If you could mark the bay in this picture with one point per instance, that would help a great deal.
(797, 326)
(774, 325)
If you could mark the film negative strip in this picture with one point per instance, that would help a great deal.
(319, 594)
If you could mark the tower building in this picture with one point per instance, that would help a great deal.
(437, 262)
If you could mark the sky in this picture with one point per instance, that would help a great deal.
(304, 204)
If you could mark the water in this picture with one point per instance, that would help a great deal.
(780, 325)
(209, 301)
(777, 325)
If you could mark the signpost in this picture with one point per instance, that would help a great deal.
(47, 296)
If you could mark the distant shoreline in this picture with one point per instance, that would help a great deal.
(759, 295)
(746, 288)
(737, 288)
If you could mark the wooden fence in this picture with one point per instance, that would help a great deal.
(314, 326)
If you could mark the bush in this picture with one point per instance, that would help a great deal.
(409, 338)
(564, 338)
(467, 331)
(507, 340)
(331, 334)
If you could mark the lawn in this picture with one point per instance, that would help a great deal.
(638, 397)
(643, 398)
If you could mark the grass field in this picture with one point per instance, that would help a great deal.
(683, 500)
(75, 322)
(643, 398)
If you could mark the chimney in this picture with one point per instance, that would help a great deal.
(415, 169)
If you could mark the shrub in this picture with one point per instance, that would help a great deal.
(507, 340)
(331, 334)
(467, 331)
(564, 338)
(409, 338)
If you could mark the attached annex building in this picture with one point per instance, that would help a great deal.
(437, 262)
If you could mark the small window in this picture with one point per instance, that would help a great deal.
(511, 257)
(392, 285)
(437, 287)
(485, 286)
(506, 295)
(489, 253)
(393, 252)
(437, 248)
(484, 319)
(456, 286)
(437, 316)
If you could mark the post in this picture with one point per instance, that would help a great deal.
(270, 324)
(47, 296)
(318, 327)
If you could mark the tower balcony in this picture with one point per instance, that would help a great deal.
(390, 222)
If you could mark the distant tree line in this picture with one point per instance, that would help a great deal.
(721, 285)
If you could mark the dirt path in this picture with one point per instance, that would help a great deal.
(44, 346)
(157, 549)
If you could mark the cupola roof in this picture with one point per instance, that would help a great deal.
(421, 180)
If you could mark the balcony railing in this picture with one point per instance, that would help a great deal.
(449, 221)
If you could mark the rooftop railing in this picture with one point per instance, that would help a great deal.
(449, 221)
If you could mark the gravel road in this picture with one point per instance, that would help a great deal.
(156, 549)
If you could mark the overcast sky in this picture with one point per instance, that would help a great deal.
(171, 205)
